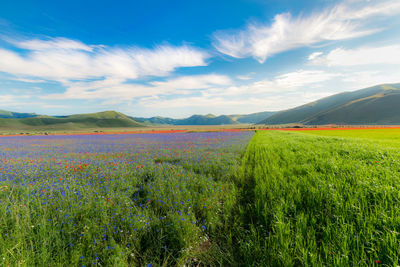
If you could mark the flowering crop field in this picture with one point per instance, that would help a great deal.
(118, 200)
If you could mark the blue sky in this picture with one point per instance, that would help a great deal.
(178, 58)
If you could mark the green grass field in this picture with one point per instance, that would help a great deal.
(385, 137)
(314, 200)
(390, 135)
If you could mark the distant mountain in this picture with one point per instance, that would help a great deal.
(192, 120)
(154, 120)
(374, 105)
(206, 120)
(112, 119)
(209, 119)
(106, 119)
(15, 115)
(254, 117)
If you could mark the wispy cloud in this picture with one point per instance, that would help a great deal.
(211, 85)
(27, 80)
(62, 59)
(283, 83)
(282, 91)
(243, 77)
(242, 105)
(286, 32)
(13, 100)
(359, 56)
(7, 100)
(114, 88)
(54, 43)
(365, 78)
(304, 77)
(192, 82)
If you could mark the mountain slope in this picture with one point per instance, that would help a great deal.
(206, 120)
(254, 117)
(107, 119)
(382, 108)
(375, 105)
(15, 115)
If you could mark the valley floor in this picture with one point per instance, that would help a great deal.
(278, 198)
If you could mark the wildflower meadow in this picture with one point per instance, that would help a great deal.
(115, 200)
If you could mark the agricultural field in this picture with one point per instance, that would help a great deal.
(315, 199)
(229, 198)
(117, 200)
(384, 136)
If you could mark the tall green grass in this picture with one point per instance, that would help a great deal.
(388, 136)
(311, 201)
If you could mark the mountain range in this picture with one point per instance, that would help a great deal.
(379, 105)
(112, 119)
(209, 119)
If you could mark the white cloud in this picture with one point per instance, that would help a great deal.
(217, 105)
(281, 92)
(243, 77)
(7, 100)
(115, 88)
(360, 56)
(362, 79)
(190, 102)
(315, 55)
(193, 82)
(62, 59)
(27, 80)
(304, 77)
(240, 105)
(286, 32)
(211, 91)
(287, 82)
(55, 43)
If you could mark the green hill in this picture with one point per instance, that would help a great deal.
(107, 119)
(15, 115)
(375, 105)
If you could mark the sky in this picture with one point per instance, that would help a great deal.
(178, 58)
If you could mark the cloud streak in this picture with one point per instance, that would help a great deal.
(114, 88)
(62, 59)
(288, 32)
(211, 85)
(359, 56)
